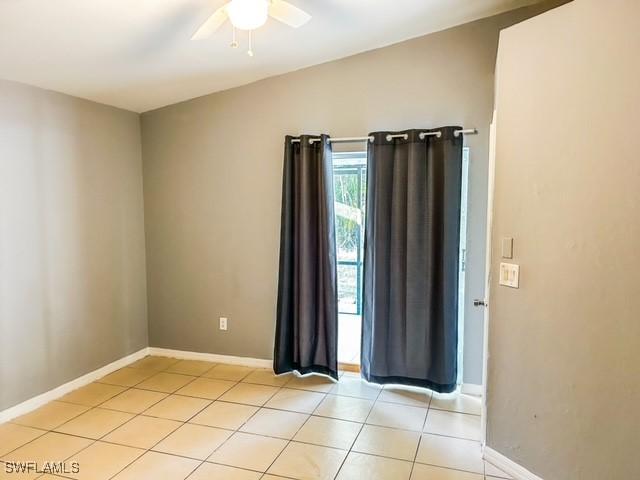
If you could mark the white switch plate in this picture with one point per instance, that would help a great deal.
(507, 247)
(223, 323)
(510, 275)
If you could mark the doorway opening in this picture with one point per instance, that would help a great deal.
(350, 193)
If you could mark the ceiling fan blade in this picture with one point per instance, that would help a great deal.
(288, 14)
(212, 24)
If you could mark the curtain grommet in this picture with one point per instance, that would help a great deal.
(423, 135)
(404, 136)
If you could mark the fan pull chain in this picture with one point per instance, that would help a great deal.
(250, 51)
(234, 41)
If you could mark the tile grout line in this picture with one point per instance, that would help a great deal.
(311, 414)
(454, 469)
(173, 431)
(424, 424)
(373, 404)
(183, 422)
(93, 407)
(236, 430)
(483, 475)
(53, 430)
(326, 394)
(248, 433)
(131, 419)
(271, 407)
(298, 430)
(279, 389)
(127, 388)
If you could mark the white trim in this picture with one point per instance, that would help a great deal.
(518, 472)
(471, 389)
(46, 397)
(211, 357)
(487, 292)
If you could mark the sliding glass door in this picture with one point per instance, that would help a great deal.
(350, 179)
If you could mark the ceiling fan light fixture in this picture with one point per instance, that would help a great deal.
(248, 14)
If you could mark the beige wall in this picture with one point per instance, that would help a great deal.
(72, 265)
(213, 169)
(564, 365)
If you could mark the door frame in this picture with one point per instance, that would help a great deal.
(485, 348)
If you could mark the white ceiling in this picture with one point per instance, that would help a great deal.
(136, 54)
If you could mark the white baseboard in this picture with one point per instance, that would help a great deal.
(211, 357)
(471, 389)
(518, 472)
(36, 402)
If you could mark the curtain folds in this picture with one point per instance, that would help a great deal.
(410, 304)
(307, 312)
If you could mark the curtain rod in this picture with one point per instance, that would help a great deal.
(422, 135)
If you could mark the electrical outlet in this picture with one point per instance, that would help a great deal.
(223, 323)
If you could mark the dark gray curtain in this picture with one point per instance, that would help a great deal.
(412, 236)
(307, 314)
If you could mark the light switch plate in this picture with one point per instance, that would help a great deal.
(510, 275)
(507, 247)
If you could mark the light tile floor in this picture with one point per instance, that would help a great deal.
(163, 418)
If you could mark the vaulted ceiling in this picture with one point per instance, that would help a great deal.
(137, 54)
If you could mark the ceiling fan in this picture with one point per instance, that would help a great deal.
(249, 15)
